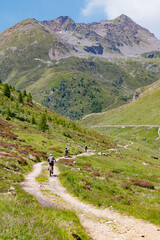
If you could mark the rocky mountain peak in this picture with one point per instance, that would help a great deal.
(63, 19)
(62, 22)
(123, 19)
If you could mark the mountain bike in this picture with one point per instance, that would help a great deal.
(51, 170)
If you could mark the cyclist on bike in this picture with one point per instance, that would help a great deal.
(51, 161)
(66, 151)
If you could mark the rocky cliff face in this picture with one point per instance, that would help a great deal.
(121, 36)
(62, 38)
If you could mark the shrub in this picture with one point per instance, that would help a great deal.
(57, 149)
(116, 170)
(143, 183)
(96, 174)
(124, 199)
(87, 164)
(66, 161)
(84, 180)
(126, 185)
(68, 135)
(108, 175)
(21, 117)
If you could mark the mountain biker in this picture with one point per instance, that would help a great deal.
(51, 161)
(66, 151)
(85, 148)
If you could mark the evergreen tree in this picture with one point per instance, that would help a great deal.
(24, 94)
(6, 90)
(8, 114)
(29, 98)
(20, 98)
(43, 123)
(33, 121)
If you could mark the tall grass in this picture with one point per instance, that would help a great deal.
(23, 218)
(120, 179)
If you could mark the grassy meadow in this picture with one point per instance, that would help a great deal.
(22, 217)
(24, 141)
(133, 168)
(127, 180)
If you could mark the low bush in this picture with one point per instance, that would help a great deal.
(126, 185)
(56, 149)
(68, 135)
(116, 170)
(143, 183)
(96, 174)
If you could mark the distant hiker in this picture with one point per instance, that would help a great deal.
(51, 161)
(66, 151)
(85, 148)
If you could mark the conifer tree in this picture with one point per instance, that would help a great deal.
(29, 98)
(8, 113)
(20, 98)
(43, 123)
(24, 94)
(6, 90)
(33, 121)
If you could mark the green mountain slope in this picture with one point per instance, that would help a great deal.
(25, 140)
(39, 57)
(143, 111)
(29, 132)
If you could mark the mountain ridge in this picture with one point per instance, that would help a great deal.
(108, 33)
(76, 68)
(117, 37)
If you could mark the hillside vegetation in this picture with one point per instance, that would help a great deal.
(28, 134)
(37, 65)
(126, 179)
(55, 61)
(135, 129)
(143, 111)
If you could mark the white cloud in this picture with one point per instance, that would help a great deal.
(144, 12)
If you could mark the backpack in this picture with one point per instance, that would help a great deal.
(51, 159)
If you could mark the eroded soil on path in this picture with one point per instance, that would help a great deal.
(100, 224)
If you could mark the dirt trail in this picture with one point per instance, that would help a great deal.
(100, 224)
(125, 125)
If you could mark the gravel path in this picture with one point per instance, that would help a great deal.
(100, 224)
(125, 125)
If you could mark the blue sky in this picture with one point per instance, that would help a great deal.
(14, 11)
(143, 12)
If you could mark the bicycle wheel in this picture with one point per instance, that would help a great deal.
(50, 171)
